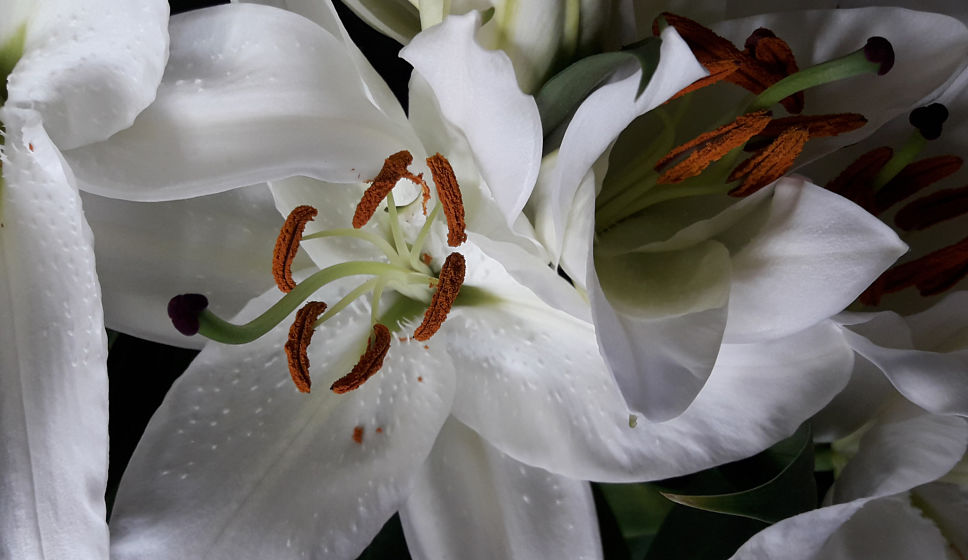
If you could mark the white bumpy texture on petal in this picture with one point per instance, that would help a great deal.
(53, 351)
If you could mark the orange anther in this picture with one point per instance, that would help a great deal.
(287, 245)
(451, 279)
(370, 362)
(297, 346)
(711, 146)
(770, 163)
(449, 193)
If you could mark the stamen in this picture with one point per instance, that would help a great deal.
(776, 55)
(928, 121)
(933, 209)
(184, 311)
(297, 346)
(370, 362)
(914, 178)
(711, 146)
(817, 125)
(287, 245)
(394, 169)
(854, 183)
(932, 274)
(719, 70)
(771, 163)
(451, 279)
(449, 193)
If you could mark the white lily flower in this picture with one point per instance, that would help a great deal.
(509, 406)
(718, 272)
(71, 73)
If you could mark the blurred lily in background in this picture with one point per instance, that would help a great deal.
(71, 73)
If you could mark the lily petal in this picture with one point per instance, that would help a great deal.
(495, 506)
(224, 245)
(237, 463)
(251, 94)
(53, 352)
(563, 411)
(816, 253)
(90, 67)
(865, 395)
(478, 93)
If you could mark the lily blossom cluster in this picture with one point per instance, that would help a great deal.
(560, 263)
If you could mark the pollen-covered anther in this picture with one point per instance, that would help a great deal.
(711, 146)
(297, 346)
(769, 164)
(774, 53)
(932, 274)
(719, 70)
(914, 178)
(451, 279)
(394, 169)
(370, 362)
(449, 193)
(287, 245)
(854, 182)
(933, 209)
(817, 125)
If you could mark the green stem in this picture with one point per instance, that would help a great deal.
(418, 244)
(901, 158)
(374, 240)
(402, 249)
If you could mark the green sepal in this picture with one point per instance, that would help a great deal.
(564, 92)
(790, 487)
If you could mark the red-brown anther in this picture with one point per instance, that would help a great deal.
(932, 274)
(394, 169)
(776, 55)
(854, 183)
(300, 335)
(448, 288)
(370, 362)
(449, 193)
(933, 209)
(817, 125)
(769, 164)
(711, 146)
(914, 178)
(718, 71)
(287, 245)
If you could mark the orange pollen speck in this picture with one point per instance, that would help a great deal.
(769, 164)
(451, 279)
(379, 430)
(420, 379)
(449, 192)
(394, 169)
(358, 435)
(30, 147)
(370, 362)
(711, 146)
(932, 274)
(914, 178)
(425, 258)
(287, 245)
(300, 335)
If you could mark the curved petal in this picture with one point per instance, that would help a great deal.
(397, 19)
(889, 528)
(597, 123)
(942, 328)
(251, 94)
(53, 352)
(929, 48)
(906, 448)
(867, 392)
(948, 507)
(816, 253)
(472, 501)
(477, 92)
(935, 381)
(660, 319)
(90, 67)
(533, 384)
(238, 464)
(219, 245)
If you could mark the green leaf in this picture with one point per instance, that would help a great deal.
(639, 510)
(564, 92)
(791, 490)
(692, 534)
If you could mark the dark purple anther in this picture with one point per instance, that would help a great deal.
(879, 51)
(928, 120)
(184, 311)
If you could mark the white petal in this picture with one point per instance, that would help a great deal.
(866, 393)
(238, 464)
(597, 123)
(53, 351)
(477, 92)
(948, 506)
(943, 327)
(219, 245)
(472, 501)
(888, 528)
(534, 385)
(397, 19)
(816, 253)
(660, 319)
(251, 94)
(904, 449)
(90, 67)
(934, 381)
(929, 49)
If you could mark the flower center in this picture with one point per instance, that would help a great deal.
(708, 164)
(405, 269)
